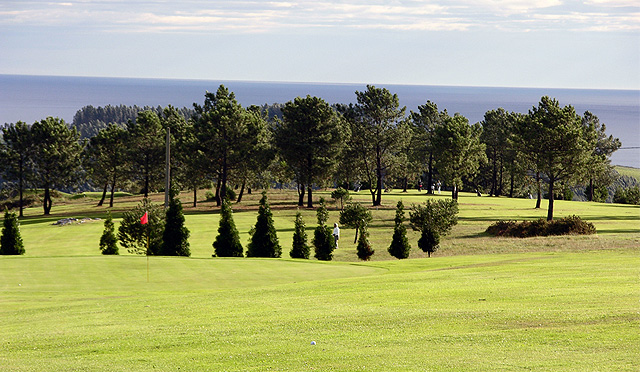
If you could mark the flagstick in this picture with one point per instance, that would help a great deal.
(147, 253)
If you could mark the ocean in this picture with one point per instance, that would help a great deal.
(31, 98)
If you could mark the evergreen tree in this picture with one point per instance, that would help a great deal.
(11, 241)
(227, 243)
(323, 240)
(429, 240)
(264, 241)
(108, 239)
(353, 216)
(175, 238)
(364, 249)
(300, 248)
(399, 247)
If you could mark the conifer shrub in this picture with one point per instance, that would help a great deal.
(264, 240)
(133, 235)
(364, 250)
(175, 238)
(571, 225)
(299, 248)
(11, 240)
(108, 241)
(227, 243)
(341, 195)
(323, 240)
(399, 247)
(429, 240)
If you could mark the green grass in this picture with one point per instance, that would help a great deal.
(481, 303)
(629, 171)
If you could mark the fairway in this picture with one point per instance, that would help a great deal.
(479, 304)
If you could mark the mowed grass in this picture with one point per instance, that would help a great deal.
(481, 303)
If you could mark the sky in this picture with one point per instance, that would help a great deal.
(507, 43)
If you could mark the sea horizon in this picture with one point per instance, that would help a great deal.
(30, 98)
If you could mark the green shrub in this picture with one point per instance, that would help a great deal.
(364, 250)
(630, 195)
(342, 195)
(299, 248)
(227, 243)
(399, 247)
(11, 241)
(264, 240)
(175, 238)
(108, 241)
(355, 215)
(441, 215)
(133, 235)
(429, 240)
(323, 240)
(571, 225)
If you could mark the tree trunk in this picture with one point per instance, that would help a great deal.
(406, 182)
(539, 200)
(21, 187)
(223, 186)
(356, 239)
(195, 196)
(512, 185)
(104, 194)
(309, 196)
(244, 182)
(499, 190)
(378, 199)
(113, 190)
(430, 175)
(217, 196)
(454, 192)
(494, 175)
(551, 197)
(301, 191)
(590, 189)
(47, 201)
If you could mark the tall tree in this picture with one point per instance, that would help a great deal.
(376, 135)
(147, 150)
(56, 156)
(495, 135)
(14, 156)
(460, 152)
(309, 139)
(299, 248)
(599, 167)
(399, 247)
(557, 143)
(221, 127)
(423, 125)
(106, 160)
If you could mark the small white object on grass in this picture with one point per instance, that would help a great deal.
(313, 342)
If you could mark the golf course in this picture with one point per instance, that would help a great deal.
(479, 303)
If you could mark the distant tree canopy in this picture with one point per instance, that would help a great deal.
(308, 143)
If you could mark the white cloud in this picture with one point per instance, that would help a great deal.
(258, 16)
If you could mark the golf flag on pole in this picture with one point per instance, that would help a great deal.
(144, 219)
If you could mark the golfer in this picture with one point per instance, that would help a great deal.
(336, 233)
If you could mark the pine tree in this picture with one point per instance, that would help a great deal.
(175, 238)
(108, 239)
(300, 248)
(264, 241)
(11, 241)
(429, 240)
(227, 243)
(364, 249)
(399, 247)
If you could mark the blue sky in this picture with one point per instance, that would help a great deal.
(512, 43)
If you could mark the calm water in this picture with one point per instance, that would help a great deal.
(31, 98)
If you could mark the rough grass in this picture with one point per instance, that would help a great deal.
(480, 303)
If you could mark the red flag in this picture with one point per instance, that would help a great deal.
(144, 219)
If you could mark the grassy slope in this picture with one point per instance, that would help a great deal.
(628, 171)
(566, 303)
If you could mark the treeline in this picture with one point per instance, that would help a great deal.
(373, 144)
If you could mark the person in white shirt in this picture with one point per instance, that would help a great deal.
(336, 233)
